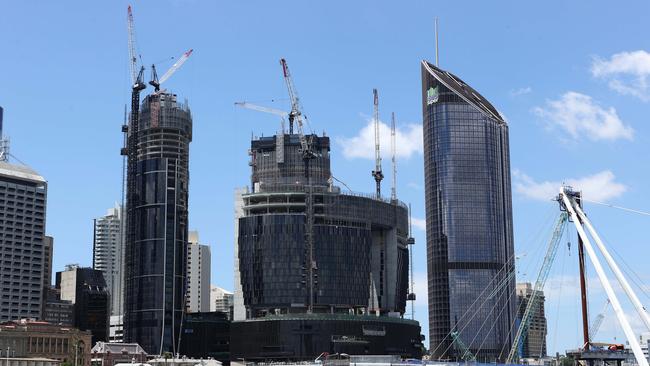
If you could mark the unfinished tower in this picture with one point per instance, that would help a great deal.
(155, 250)
(332, 264)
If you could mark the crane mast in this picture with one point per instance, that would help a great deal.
(377, 174)
(296, 112)
(595, 326)
(131, 151)
(533, 301)
(133, 61)
(307, 154)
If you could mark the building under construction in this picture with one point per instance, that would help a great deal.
(155, 250)
(320, 270)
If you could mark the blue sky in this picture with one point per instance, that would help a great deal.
(570, 78)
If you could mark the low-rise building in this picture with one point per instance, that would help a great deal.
(55, 310)
(109, 354)
(39, 339)
(221, 300)
(29, 361)
(206, 335)
(86, 289)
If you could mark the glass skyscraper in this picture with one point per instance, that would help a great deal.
(470, 260)
(155, 258)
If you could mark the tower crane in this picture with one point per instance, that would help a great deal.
(255, 107)
(296, 114)
(307, 154)
(533, 301)
(393, 147)
(279, 143)
(595, 326)
(131, 150)
(377, 172)
(154, 76)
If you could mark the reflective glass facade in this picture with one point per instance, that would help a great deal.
(155, 261)
(360, 254)
(359, 262)
(469, 218)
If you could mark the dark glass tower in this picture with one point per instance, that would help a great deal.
(155, 254)
(320, 270)
(470, 260)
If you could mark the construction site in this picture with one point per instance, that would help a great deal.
(319, 269)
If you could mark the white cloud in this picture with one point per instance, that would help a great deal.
(521, 91)
(578, 115)
(415, 186)
(420, 224)
(597, 187)
(626, 73)
(421, 289)
(408, 141)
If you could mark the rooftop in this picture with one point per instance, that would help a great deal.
(20, 172)
(463, 90)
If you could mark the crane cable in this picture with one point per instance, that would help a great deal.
(619, 207)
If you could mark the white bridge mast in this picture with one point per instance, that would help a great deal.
(612, 264)
(567, 201)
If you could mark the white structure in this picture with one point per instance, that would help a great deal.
(108, 255)
(221, 300)
(198, 275)
(116, 329)
(239, 311)
(568, 199)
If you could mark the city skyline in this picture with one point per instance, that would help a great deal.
(546, 102)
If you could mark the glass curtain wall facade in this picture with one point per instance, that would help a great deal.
(470, 260)
(155, 259)
(318, 269)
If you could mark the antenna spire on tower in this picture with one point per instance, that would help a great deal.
(436, 26)
(4, 142)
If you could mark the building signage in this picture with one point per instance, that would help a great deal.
(432, 95)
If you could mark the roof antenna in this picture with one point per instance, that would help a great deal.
(4, 142)
(436, 28)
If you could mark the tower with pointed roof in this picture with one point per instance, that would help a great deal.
(470, 261)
